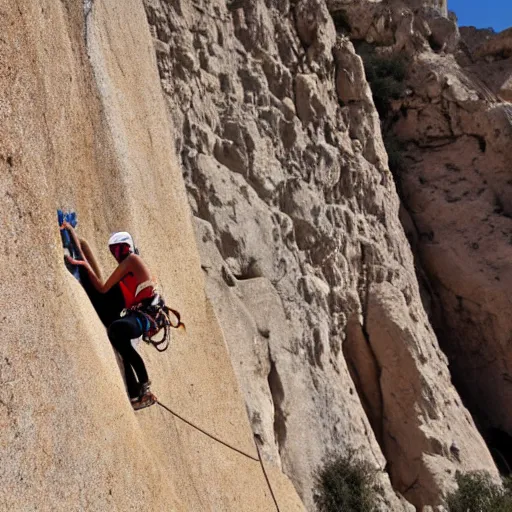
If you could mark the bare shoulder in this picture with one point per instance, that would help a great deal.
(137, 263)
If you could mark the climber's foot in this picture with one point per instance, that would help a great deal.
(144, 400)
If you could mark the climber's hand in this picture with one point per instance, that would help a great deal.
(72, 261)
(67, 225)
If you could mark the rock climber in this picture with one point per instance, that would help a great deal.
(129, 284)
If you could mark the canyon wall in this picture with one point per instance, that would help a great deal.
(305, 258)
(84, 127)
(240, 144)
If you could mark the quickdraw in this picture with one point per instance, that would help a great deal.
(158, 317)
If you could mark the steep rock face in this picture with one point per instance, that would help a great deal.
(499, 46)
(396, 22)
(96, 138)
(306, 261)
(458, 189)
(456, 183)
(488, 56)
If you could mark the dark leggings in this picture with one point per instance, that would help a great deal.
(108, 305)
(120, 333)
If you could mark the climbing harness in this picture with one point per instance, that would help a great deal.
(211, 436)
(154, 316)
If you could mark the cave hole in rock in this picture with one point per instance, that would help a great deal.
(434, 44)
(341, 22)
(482, 144)
(250, 270)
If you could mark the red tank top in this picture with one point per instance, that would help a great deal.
(129, 287)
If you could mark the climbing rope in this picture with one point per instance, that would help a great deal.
(266, 477)
(206, 433)
(211, 436)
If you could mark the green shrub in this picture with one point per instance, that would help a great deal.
(386, 75)
(477, 492)
(346, 484)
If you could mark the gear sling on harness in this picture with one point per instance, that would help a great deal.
(153, 315)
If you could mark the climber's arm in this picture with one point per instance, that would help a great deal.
(122, 269)
(84, 250)
(89, 256)
(67, 226)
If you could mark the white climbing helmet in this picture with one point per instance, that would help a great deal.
(122, 237)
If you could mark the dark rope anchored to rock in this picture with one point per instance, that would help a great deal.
(231, 447)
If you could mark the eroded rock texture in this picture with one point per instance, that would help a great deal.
(306, 260)
(454, 130)
(457, 185)
(84, 126)
(489, 56)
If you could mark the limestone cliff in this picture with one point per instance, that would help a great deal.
(84, 126)
(452, 128)
(306, 261)
(489, 56)
(239, 142)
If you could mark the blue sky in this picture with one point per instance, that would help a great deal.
(489, 13)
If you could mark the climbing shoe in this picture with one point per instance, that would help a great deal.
(144, 388)
(145, 399)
